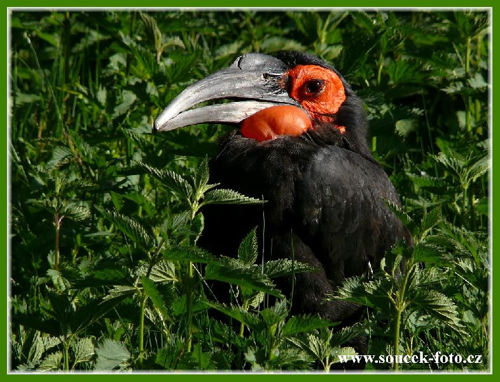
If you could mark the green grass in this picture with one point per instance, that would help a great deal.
(105, 271)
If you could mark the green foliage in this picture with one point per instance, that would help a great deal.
(105, 216)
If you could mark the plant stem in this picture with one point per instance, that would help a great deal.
(66, 354)
(400, 307)
(141, 328)
(468, 100)
(380, 68)
(396, 338)
(57, 221)
(189, 303)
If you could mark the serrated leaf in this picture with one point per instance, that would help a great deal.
(248, 249)
(223, 196)
(91, 312)
(59, 281)
(163, 271)
(304, 324)
(405, 126)
(189, 253)
(477, 82)
(61, 307)
(155, 296)
(426, 180)
(439, 306)
(201, 178)
(239, 314)
(76, 212)
(131, 228)
(52, 362)
(286, 267)
(427, 253)
(479, 168)
(120, 291)
(171, 180)
(127, 98)
(241, 275)
(83, 350)
(275, 314)
(60, 156)
(373, 293)
(111, 355)
(402, 215)
(431, 219)
(344, 335)
(337, 353)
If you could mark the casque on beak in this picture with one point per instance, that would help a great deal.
(253, 82)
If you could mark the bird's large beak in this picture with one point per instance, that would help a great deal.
(254, 82)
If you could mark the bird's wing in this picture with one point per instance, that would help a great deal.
(341, 212)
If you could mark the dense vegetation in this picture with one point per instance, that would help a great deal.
(105, 271)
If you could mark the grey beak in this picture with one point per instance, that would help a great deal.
(254, 80)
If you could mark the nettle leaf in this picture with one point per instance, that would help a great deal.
(171, 180)
(189, 253)
(336, 353)
(91, 312)
(430, 220)
(52, 362)
(479, 168)
(60, 156)
(241, 275)
(304, 324)
(59, 281)
(120, 292)
(239, 314)
(425, 252)
(248, 249)
(478, 82)
(224, 196)
(347, 333)
(286, 267)
(126, 99)
(373, 293)
(112, 355)
(405, 126)
(155, 296)
(61, 307)
(275, 314)
(312, 345)
(76, 211)
(83, 350)
(163, 271)
(130, 227)
(290, 359)
(201, 178)
(439, 306)
(402, 215)
(425, 180)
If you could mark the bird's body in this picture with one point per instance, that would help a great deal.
(325, 206)
(325, 194)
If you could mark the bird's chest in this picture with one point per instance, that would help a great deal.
(270, 172)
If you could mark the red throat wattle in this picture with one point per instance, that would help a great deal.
(275, 121)
(318, 90)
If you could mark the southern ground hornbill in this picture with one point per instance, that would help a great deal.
(301, 146)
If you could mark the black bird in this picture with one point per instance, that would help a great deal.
(302, 146)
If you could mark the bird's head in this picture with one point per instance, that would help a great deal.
(290, 94)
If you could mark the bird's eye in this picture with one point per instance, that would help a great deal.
(313, 87)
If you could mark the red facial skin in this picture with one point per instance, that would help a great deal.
(319, 91)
